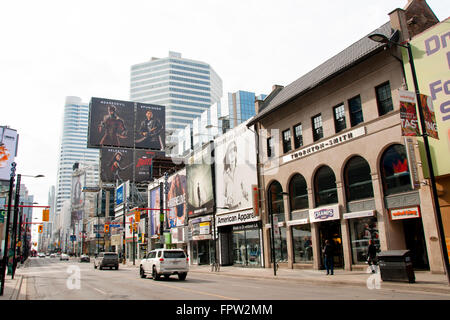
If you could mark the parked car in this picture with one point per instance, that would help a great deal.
(64, 257)
(41, 255)
(106, 259)
(52, 255)
(165, 262)
(85, 258)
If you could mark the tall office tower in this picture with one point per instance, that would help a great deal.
(185, 87)
(73, 149)
(241, 106)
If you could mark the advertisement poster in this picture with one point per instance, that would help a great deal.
(116, 164)
(431, 60)
(111, 123)
(408, 115)
(143, 169)
(200, 194)
(150, 127)
(77, 203)
(8, 147)
(176, 199)
(154, 224)
(430, 117)
(235, 168)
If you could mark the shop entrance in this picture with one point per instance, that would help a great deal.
(331, 230)
(415, 242)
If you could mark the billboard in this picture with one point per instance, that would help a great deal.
(8, 150)
(154, 225)
(431, 62)
(235, 168)
(200, 193)
(150, 126)
(176, 199)
(127, 164)
(111, 123)
(116, 164)
(143, 168)
(126, 124)
(77, 203)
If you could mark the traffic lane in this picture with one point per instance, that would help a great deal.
(125, 284)
(214, 286)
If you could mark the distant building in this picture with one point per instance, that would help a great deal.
(73, 148)
(185, 87)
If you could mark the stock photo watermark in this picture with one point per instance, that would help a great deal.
(74, 280)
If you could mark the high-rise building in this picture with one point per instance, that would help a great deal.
(241, 106)
(73, 149)
(185, 87)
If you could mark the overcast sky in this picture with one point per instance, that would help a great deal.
(53, 49)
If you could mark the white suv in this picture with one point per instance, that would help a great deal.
(165, 262)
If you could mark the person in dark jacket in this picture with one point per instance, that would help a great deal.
(372, 255)
(328, 253)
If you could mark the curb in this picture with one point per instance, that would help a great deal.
(16, 292)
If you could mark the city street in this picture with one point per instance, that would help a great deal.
(52, 279)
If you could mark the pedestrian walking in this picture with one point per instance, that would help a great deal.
(372, 256)
(328, 254)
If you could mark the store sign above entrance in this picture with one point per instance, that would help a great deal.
(405, 213)
(343, 138)
(237, 218)
(324, 214)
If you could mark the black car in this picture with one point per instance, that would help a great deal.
(85, 258)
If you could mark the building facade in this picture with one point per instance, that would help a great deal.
(333, 164)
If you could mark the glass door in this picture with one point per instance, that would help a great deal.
(239, 247)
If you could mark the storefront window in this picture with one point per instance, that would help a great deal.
(247, 245)
(395, 171)
(301, 238)
(361, 231)
(358, 182)
(298, 193)
(325, 186)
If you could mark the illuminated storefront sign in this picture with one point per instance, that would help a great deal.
(405, 213)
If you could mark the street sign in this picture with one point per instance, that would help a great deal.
(73, 238)
(114, 225)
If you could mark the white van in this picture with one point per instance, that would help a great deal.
(165, 262)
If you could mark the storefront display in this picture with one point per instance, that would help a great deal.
(363, 227)
(247, 245)
(301, 239)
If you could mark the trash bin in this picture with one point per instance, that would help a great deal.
(396, 265)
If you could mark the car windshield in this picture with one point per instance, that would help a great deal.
(174, 254)
(110, 255)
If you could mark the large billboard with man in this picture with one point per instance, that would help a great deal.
(126, 124)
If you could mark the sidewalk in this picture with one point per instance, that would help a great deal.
(425, 281)
(13, 289)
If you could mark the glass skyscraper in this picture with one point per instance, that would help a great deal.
(185, 87)
(241, 105)
(73, 148)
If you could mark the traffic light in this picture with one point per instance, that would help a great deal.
(106, 228)
(45, 214)
(40, 228)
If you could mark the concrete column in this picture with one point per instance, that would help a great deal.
(345, 233)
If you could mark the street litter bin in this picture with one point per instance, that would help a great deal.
(396, 265)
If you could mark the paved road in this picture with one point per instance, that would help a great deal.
(52, 279)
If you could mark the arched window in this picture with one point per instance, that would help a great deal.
(325, 186)
(395, 170)
(358, 182)
(276, 207)
(276, 199)
(298, 193)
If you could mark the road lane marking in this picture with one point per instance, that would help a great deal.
(195, 291)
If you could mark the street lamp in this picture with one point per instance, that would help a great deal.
(381, 38)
